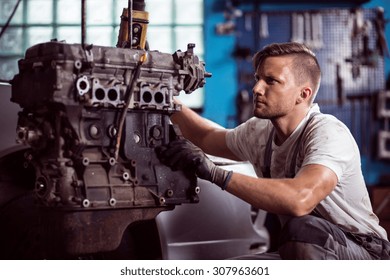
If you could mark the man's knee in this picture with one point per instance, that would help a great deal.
(309, 237)
(310, 229)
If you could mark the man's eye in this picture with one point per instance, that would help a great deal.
(270, 81)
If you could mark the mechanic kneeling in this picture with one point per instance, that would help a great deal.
(307, 163)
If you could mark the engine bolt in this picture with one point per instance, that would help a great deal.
(86, 203)
(169, 193)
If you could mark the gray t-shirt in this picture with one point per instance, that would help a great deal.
(326, 141)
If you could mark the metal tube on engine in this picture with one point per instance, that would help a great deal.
(83, 22)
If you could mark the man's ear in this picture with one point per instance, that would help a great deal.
(305, 95)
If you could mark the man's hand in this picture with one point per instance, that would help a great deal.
(183, 155)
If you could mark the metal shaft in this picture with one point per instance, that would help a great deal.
(130, 22)
(83, 22)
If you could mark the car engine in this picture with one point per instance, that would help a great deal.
(92, 117)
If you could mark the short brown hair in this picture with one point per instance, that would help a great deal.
(305, 62)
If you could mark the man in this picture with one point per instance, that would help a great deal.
(307, 163)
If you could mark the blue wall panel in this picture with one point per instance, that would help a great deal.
(231, 75)
(222, 87)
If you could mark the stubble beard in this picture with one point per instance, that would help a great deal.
(266, 114)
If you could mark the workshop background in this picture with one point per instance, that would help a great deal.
(349, 37)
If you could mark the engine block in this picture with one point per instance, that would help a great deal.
(92, 117)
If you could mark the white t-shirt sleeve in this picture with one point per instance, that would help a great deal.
(331, 144)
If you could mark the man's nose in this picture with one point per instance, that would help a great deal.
(258, 88)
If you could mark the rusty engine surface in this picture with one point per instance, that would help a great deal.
(92, 117)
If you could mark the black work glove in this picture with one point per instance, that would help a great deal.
(183, 155)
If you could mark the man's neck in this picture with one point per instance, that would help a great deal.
(286, 125)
